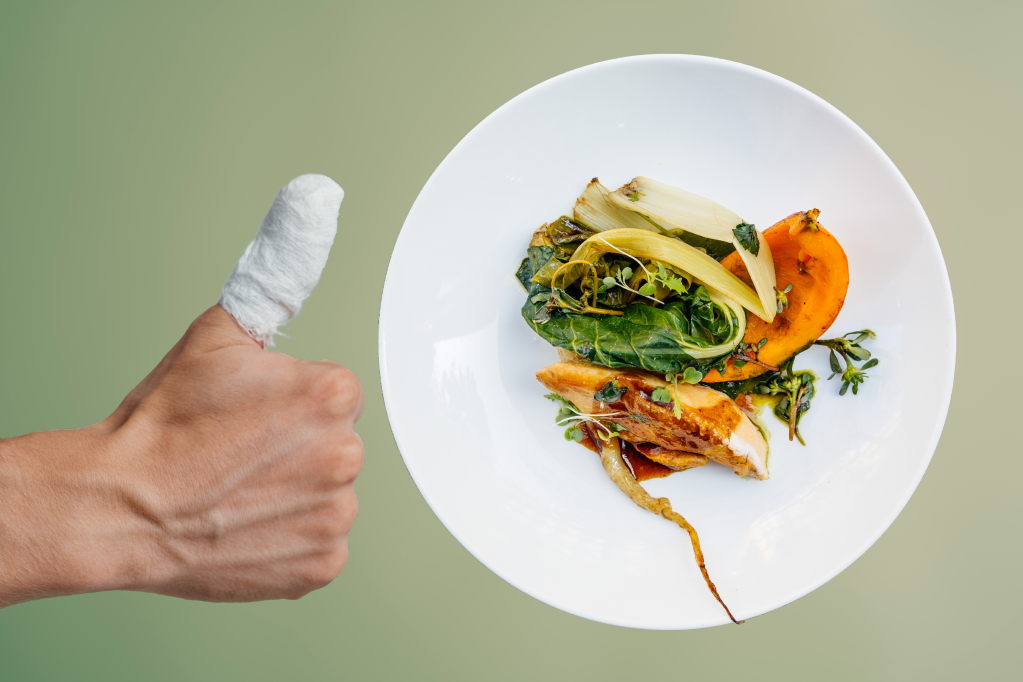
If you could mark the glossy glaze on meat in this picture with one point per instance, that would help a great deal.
(711, 424)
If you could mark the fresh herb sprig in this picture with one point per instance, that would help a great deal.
(748, 352)
(662, 395)
(796, 390)
(666, 278)
(619, 279)
(781, 296)
(569, 416)
(848, 346)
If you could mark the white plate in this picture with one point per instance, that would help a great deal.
(457, 361)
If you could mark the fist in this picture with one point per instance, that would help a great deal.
(239, 467)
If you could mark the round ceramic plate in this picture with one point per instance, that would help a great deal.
(457, 361)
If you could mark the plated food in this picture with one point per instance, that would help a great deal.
(678, 324)
(458, 362)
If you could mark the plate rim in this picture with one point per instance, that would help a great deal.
(688, 59)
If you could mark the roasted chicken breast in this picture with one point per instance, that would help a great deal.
(711, 423)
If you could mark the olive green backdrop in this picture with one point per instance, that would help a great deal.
(140, 146)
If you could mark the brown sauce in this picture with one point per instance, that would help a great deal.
(642, 467)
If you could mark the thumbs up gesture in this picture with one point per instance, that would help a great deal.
(226, 475)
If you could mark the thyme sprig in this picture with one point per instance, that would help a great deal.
(848, 346)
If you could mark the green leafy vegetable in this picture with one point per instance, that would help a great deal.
(564, 230)
(610, 393)
(691, 330)
(746, 234)
(712, 247)
(645, 244)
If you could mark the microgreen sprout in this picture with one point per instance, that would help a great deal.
(620, 279)
(676, 407)
(848, 346)
(649, 275)
(666, 278)
(662, 395)
(571, 417)
(783, 299)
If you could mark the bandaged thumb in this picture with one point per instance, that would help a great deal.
(282, 265)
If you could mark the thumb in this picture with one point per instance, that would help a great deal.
(282, 265)
(213, 330)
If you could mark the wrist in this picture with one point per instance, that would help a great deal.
(65, 526)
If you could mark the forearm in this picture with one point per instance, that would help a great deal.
(64, 523)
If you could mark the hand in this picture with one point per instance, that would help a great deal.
(226, 475)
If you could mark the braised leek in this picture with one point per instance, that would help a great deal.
(594, 209)
(649, 246)
(677, 208)
(687, 211)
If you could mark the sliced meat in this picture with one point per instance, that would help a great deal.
(643, 467)
(673, 459)
(711, 423)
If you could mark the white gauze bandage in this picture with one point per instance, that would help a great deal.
(283, 263)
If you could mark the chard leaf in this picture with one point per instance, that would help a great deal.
(564, 230)
(655, 338)
(712, 247)
(546, 273)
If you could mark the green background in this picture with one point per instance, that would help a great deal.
(141, 145)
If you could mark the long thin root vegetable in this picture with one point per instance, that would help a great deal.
(614, 465)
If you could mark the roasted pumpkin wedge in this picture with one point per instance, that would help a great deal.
(810, 259)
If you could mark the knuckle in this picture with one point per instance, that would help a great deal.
(338, 390)
(336, 518)
(345, 462)
(325, 568)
